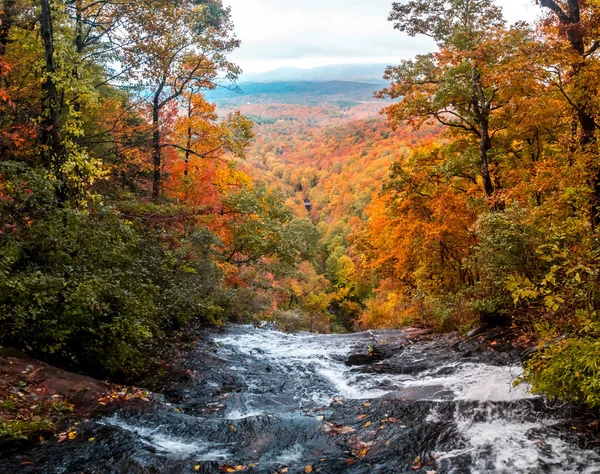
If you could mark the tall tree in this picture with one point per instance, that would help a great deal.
(50, 133)
(450, 86)
(578, 22)
(190, 51)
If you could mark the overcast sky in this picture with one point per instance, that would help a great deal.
(311, 33)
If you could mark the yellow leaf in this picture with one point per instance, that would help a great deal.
(233, 428)
(91, 439)
(72, 434)
(367, 424)
(197, 467)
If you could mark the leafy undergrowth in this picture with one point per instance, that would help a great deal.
(39, 402)
(26, 411)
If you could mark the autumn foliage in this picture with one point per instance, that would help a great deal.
(130, 206)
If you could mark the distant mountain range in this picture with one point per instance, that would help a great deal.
(291, 92)
(350, 82)
(337, 72)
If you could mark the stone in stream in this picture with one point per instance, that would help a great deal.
(358, 359)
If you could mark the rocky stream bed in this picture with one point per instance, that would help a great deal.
(260, 401)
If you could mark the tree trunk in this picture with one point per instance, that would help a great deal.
(50, 136)
(156, 158)
(482, 111)
(485, 145)
(189, 139)
(6, 22)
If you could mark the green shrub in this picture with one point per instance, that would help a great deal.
(568, 370)
(89, 291)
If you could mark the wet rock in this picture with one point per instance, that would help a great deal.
(427, 392)
(358, 359)
(439, 404)
(477, 331)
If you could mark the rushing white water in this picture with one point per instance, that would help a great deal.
(316, 365)
(263, 402)
(312, 370)
(161, 440)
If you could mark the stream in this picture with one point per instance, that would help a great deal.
(261, 401)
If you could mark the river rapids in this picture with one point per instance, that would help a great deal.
(260, 401)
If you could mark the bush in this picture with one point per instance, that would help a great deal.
(88, 291)
(568, 370)
(78, 290)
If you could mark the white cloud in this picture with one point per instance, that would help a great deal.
(311, 33)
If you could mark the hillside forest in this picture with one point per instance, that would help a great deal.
(140, 195)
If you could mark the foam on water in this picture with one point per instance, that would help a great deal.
(478, 382)
(506, 445)
(170, 445)
(494, 437)
(308, 357)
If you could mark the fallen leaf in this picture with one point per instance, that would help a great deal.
(362, 417)
(233, 428)
(367, 404)
(72, 434)
(91, 439)
(430, 472)
(361, 449)
(308, 469)
(367, 424)
(334, 428)
(197, 467)
(417, 464)
(320, 418)
(228, 468)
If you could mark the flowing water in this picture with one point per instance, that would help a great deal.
(270, 402)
